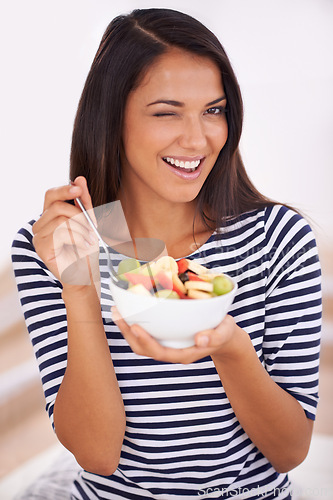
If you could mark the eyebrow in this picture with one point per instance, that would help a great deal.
(180, 104)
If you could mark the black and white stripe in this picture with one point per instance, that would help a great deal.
(182, 436)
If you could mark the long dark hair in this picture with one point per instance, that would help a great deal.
(129, 46)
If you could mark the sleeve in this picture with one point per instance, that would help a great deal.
(293, 306)
(44, 312)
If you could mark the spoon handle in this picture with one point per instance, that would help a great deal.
(105, 248)
(92, 225)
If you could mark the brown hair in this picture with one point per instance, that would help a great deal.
(129, 46)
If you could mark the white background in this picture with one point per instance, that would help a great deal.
(281, 51)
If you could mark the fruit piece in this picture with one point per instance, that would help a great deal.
(126, 266)
(183, 276)
(164, 278)
(184, 279)
(139, 290)
(194, 277)
(178, 286)
(135, 279)
(204, 286)
(146, 269)
(198, 294)
(207, 276)
(166, 263)
(196, 268)
(222, 285)
(167, 294)
(182, 265)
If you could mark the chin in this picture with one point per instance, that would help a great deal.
(183, 197)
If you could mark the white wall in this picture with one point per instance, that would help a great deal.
(281, 51)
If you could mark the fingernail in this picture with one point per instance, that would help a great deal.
(203, 341)
(74, 189)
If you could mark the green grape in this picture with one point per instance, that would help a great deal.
(221, 285)
(127, 265)
(167, 294)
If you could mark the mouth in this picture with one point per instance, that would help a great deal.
(183, 165)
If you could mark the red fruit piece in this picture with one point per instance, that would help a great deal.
(194, 277)
(136, 279)
(164, 278)
(182, 266)
(179, 287)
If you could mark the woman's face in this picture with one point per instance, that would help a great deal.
(174, 128)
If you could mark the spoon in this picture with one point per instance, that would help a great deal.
(114, 276)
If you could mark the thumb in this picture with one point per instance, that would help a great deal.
(217, 336)
(85, 196)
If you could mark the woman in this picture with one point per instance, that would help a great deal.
(157, 128)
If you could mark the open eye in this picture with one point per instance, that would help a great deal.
(216, 110)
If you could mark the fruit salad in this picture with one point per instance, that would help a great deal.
(168, 278)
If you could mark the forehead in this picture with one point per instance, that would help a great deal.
(182, 73)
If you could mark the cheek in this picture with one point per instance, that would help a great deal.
(134, 143)
(219, 138)
(144, 138)
(158, 135)
(224, 133)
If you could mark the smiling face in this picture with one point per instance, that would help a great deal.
(174, 128)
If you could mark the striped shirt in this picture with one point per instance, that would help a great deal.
(182, 439)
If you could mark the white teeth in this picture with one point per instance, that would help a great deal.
(187, 165)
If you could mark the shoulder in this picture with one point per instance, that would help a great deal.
(291, 248)
(25, 260)
(274, 221)
(275, 229)
(283, 216)
(22, 245)
(25, 233)
(286, 226)
(269, 218)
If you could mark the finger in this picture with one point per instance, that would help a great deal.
(50, 247)
(149, 346)
(118, 319)
(81, 182)
(85, 196)
(218, 336)
(59, 209)
(59, 226)
(145, 345)
(71, 233)
(54, 219)
(125, 329)
(140, 341)
(62, 193)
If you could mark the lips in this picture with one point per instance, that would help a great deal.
(187, 165)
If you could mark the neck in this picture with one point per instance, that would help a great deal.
(176, 224)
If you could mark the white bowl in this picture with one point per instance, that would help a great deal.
(172, 322)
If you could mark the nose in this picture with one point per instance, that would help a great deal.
(193, 134)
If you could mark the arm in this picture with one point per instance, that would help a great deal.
(88, 412)
(273, 419)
